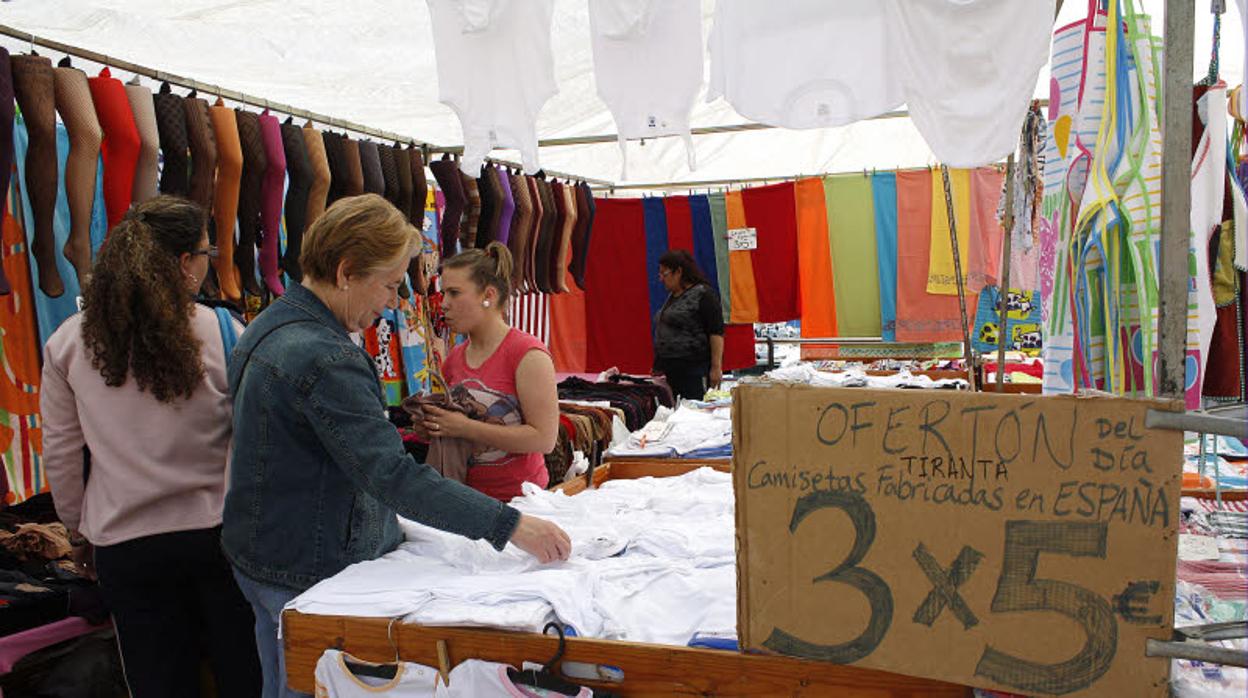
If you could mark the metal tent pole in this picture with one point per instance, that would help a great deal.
(1176, 175)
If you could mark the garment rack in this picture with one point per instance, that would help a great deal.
(244, 98)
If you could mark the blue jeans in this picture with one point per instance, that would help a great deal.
(267, 602)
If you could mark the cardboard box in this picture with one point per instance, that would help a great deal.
(1019, 543)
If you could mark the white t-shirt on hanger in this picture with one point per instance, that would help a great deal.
(968, 70)
(496, 71)
(335, 680)
(648, 66)
(803, 63)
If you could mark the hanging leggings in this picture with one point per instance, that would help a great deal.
(33, 83)
(73, 101)
(121, 143)
(300, 170)
(336, 158)
(225, 207)
(521, 223)
(271, 202)
(370, 163)
(420, 190)
(420, 186)
(355, 169)
(535, 234)
(472, 212)
(390, 176)
(250, 198)
(446, 172)
(171, 125)
(7, 113)
(203, 141)
(318, 159)
(546, 237)
(147, 171)
(403, 171)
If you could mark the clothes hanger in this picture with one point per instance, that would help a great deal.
(546, 678)
(378, 671)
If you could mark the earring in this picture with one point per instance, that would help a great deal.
(486, 304)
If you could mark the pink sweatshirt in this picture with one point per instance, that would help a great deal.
(155, 467)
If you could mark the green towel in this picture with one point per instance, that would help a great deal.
(855, 269)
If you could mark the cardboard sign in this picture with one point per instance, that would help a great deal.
(741, 239)
(1018, 543)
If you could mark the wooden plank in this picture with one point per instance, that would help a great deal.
(581, 483)
(1013, 388)
(649, 670)
(633, 469)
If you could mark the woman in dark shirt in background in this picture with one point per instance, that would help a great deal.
(689, 329)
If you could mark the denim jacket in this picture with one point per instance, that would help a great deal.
(317, 472)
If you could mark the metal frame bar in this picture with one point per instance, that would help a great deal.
(244, 98)
(726, 183)
(1196, 422)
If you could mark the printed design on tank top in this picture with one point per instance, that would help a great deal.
(491, 407)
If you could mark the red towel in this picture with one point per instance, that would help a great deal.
(772, 210)
(739, 347)
(617, 295)
(679, 224)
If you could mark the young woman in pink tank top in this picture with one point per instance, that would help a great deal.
(507, 377)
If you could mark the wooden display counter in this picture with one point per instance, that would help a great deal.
(648, 670)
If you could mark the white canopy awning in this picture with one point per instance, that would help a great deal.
(373, 63)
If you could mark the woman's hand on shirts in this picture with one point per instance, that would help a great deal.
(716, 377)
(440, 422)
(541, 539)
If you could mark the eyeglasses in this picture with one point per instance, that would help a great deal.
(209, 251)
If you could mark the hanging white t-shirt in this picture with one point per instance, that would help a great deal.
(803, 63)
(968, 70)
(334, 679)
(1208, 188)
(496, 71)
(474, 678)
(648, 66)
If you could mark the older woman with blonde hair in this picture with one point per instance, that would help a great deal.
(319, 474)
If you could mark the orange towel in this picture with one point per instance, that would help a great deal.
(741, 266)
(568, 336)
(815, 261)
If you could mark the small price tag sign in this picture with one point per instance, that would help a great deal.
(742, 239)
(1015, 543)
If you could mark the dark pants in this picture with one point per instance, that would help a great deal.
(173, 600)
(687, 380)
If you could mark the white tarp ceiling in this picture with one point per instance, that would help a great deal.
(373, 63)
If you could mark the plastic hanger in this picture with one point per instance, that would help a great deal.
(546, 678)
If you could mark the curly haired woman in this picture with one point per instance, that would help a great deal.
(138, 382)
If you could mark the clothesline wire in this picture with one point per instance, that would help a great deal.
(244, 98)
